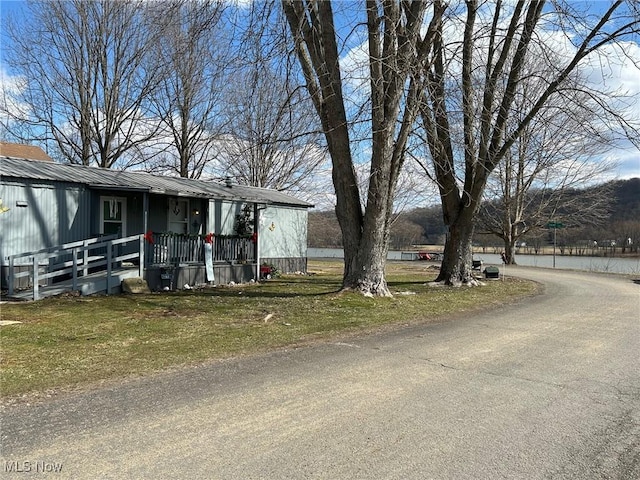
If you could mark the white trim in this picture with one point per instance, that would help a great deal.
(113, 206)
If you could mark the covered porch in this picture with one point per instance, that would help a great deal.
(175, 260)
(189, 238)
(166, 261)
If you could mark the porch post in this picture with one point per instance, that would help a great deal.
(256, 228)
(145, 211)
(85, 258)
(74, 277)
(141, 256)
(145, 226)
(109, 267)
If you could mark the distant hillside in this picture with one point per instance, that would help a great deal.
(424, 226)
(626, 200)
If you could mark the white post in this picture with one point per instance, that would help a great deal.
(141, 258)
(108, 267)
(36, 281)
(75, 270)
(85, 259)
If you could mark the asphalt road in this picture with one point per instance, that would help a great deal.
(545, 389)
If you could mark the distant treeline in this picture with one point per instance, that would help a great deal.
(618, 230)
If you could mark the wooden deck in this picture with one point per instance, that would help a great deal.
(95, 265)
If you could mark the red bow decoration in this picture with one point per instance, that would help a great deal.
(149, 236)
(254, 237)
(208, 238)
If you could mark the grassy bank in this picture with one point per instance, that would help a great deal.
(70, 341)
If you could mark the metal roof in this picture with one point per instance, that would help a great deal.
(104, 178)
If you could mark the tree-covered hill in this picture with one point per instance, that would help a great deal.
(626, 200)
(424, 226)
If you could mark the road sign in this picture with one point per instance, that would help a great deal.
(555, 226)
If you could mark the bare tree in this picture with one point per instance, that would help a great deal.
(470, 113)
(627, 235)
(393, 32)
(533, 185)
(273, 134)
(195, 50)
(87, 78)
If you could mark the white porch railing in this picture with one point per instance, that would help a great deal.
(78, 259)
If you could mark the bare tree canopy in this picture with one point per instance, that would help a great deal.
(181, 87)
(87, 78)
(479, 70)
(271, 141)
(533, 185)
(272, 135)
(196, 53)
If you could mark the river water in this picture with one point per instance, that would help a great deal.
(589, 264)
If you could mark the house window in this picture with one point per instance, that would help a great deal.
(178, 216)
(113, 216)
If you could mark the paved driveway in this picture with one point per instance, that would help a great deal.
(547, 388)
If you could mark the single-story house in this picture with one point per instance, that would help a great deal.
(181, 227)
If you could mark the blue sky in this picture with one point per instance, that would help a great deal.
(626, 75)
(11, 5)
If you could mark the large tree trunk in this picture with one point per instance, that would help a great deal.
(510, 250)
(348, 209)
(393, 30)
(456, 268)
(365, 272)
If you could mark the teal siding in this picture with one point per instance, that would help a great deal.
(283, 232)
(42, 216)
(222, 216)
(283, 229)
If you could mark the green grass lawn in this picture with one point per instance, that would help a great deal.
(69, 341)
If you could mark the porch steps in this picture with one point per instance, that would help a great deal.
(89, 285)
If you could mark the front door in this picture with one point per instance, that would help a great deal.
(113, 216)
(178, 216)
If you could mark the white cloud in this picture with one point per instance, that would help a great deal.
(616, 68)
(11, 87)
(627, 159)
